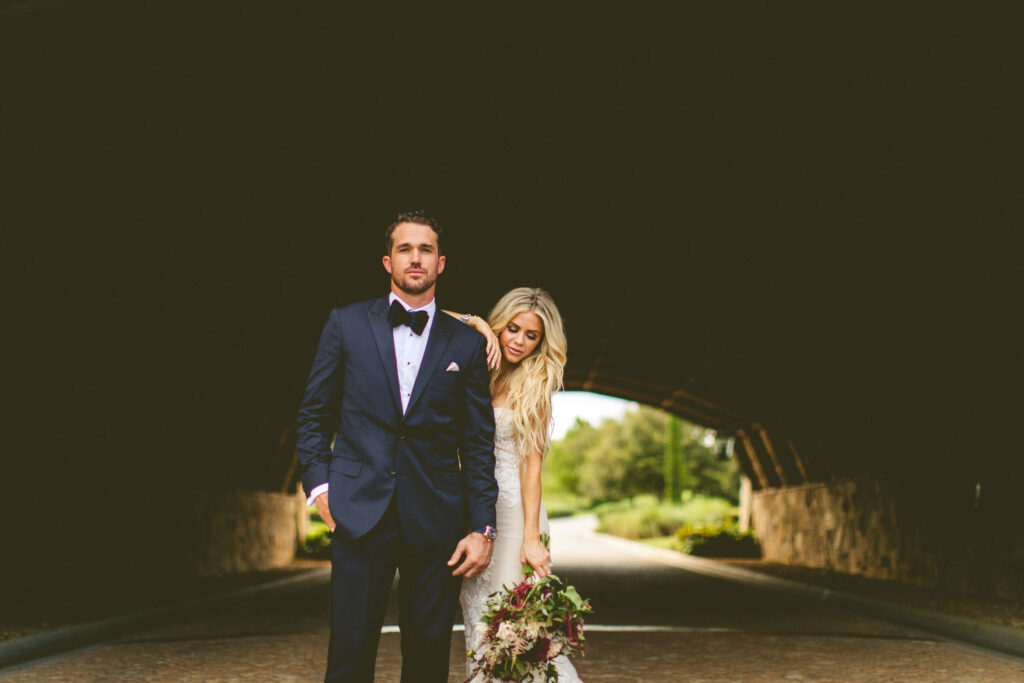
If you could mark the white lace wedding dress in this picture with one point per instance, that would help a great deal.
(505, 567)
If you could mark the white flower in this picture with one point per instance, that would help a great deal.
(505, 631)
(533, 629)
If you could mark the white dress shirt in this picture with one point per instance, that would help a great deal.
(409, 348)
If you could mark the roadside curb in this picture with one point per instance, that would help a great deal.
(27, 648)
(1005, 639)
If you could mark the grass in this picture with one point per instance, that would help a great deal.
(702, 526)
(318, 540)
(644, 517)
(669, 542)
(563, 505)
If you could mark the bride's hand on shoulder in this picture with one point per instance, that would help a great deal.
(535, 554)
(481, 326)
(493, 347)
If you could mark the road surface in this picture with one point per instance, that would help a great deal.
(653, 622)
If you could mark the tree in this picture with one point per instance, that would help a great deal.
(565, 460)
(709, 474)
(626, 458)
(674, 465)
(647, 451)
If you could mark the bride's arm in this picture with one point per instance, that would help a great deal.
(533, 552)
(481, 326)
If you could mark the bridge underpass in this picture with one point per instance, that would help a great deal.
(748, 218)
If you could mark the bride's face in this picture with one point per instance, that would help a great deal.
(521, 336)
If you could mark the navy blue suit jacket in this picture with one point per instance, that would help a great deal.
(437, 458)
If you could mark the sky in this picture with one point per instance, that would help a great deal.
(568, 405)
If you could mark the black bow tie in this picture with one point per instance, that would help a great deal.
(417, 320)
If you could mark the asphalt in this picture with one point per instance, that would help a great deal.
(659, 616)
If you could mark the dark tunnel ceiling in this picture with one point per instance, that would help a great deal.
(745, 214)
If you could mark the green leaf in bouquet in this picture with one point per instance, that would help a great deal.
(574, 597)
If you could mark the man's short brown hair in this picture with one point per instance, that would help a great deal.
(418, 217)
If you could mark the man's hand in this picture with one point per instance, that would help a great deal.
(477, 550)
(325, 510)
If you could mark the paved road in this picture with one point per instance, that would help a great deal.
(653, 622)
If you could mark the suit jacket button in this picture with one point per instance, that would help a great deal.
(392, 471)
(401, 436)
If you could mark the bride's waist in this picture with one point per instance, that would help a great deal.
(510, 522)
(505, 454)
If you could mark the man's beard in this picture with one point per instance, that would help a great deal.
(413, 288)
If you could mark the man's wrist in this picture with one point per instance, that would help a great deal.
(317, 490)
(489, 532)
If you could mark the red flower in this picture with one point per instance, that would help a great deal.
(518, 597)
(499, 616)
(573, 638)
(538, 652)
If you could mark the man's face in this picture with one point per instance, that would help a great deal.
(414, 263)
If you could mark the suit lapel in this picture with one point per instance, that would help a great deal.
(383, 335)
(440, 335)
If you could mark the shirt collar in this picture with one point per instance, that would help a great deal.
(429, 308)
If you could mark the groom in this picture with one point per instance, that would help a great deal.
(412, 466)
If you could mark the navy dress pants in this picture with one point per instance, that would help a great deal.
(362, 572)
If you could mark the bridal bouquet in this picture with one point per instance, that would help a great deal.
(527, 626)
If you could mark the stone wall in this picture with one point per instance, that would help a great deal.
(880, 529)
(243, 531)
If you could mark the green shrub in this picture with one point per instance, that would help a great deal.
(642, 522)
(561, 509)
(558, 503)
(718, 540)
(706, 510)
(318, 542)
(641, 501)
(644, 517)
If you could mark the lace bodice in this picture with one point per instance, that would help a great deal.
(506, 460)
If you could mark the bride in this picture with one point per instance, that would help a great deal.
(525, 374)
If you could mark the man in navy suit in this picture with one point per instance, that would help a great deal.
(409, 483)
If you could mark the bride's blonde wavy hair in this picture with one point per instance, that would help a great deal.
(531, 382)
